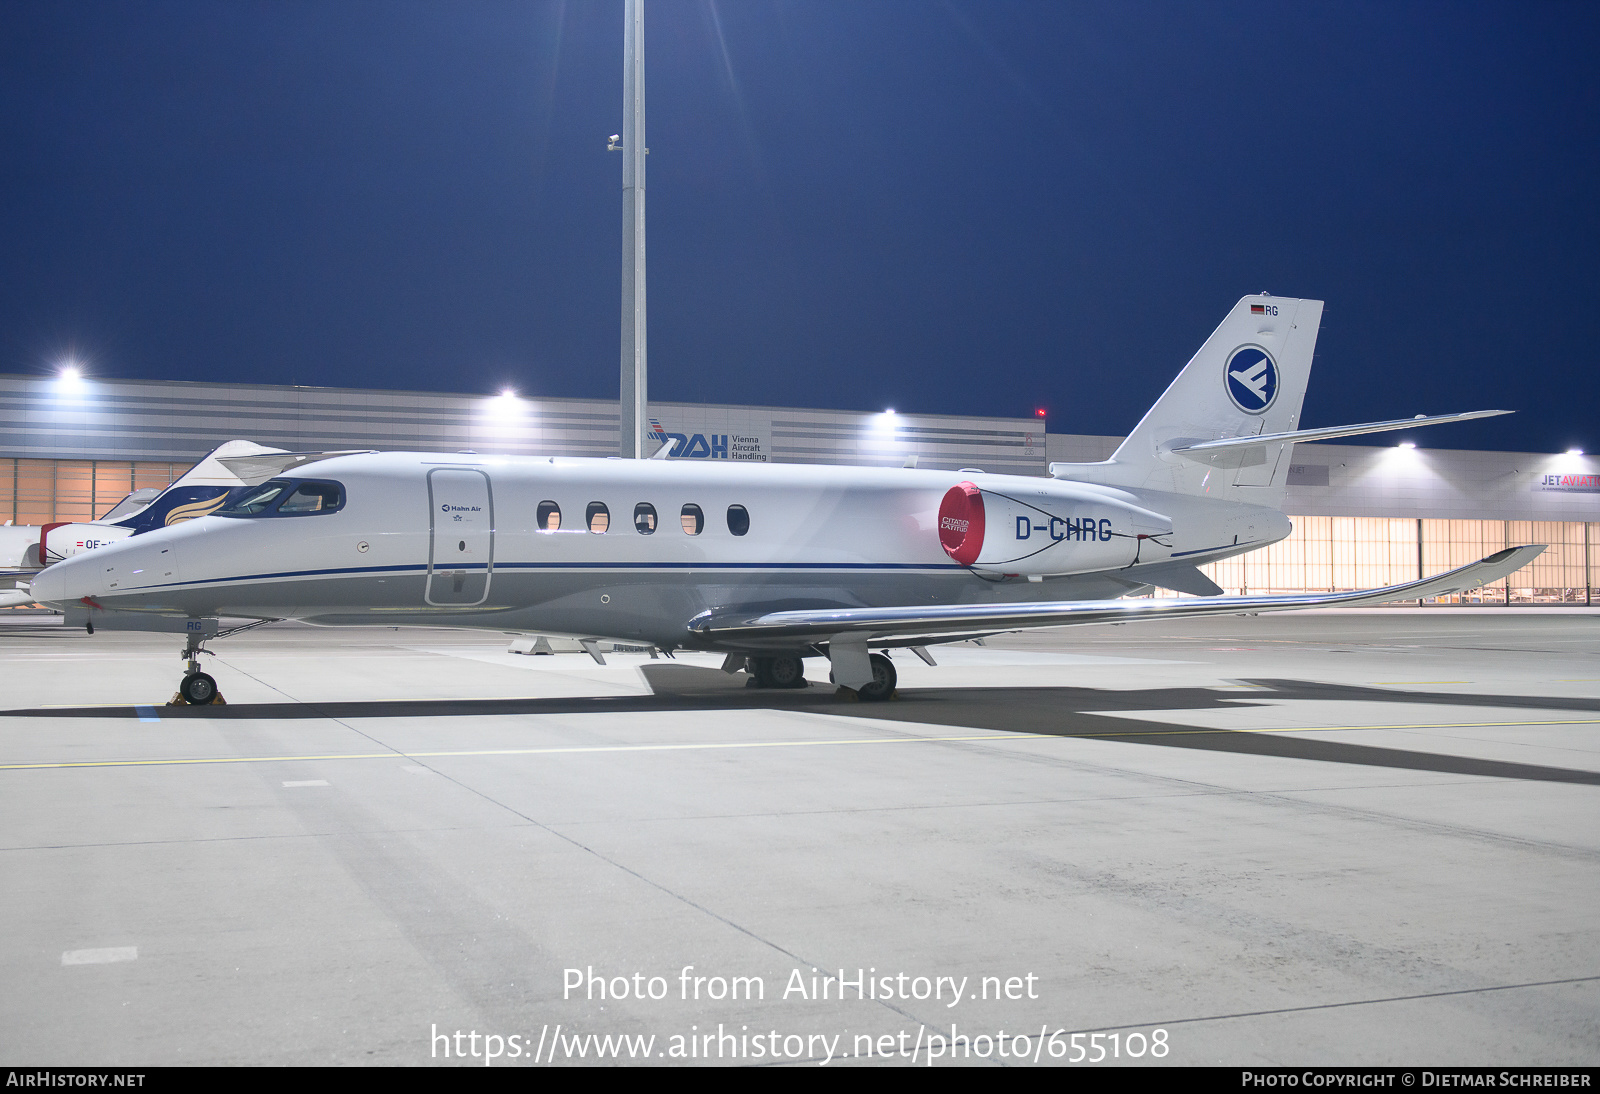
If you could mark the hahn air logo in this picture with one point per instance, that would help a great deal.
(1252, 379)
(687, 446)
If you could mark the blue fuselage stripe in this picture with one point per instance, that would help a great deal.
(422, 568)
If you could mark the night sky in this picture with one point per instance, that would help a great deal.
(944, 207)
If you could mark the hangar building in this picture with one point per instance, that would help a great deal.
(1363, 516)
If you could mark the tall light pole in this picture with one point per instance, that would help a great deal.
(635, 399)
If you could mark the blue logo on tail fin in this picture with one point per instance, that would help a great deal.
(1251, 377)
(179, 504)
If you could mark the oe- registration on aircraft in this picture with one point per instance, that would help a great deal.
(767, 564)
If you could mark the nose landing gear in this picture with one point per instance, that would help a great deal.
(198, 689)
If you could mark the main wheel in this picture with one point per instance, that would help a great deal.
(786, 672)
(883, 680)
(760, 671)
(198, 689)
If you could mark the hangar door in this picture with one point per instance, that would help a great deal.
(461, 537)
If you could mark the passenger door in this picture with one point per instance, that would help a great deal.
(461, 537)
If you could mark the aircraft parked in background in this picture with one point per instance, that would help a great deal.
(767, 564)
(26, 549)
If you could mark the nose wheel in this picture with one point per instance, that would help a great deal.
(198, 689)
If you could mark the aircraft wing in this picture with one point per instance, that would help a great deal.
(897, 626)
(16, 598)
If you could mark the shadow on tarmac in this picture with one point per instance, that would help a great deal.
(1059, 712)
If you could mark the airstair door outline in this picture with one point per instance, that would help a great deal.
(460, 537)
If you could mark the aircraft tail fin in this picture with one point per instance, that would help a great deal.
(1249, 379)
(201, 490)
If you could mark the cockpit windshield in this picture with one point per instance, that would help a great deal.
(287, 498)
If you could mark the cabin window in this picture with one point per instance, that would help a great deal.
(644, 518)
(693, 520)
(738, 519)
(598, 516)
(549, 516)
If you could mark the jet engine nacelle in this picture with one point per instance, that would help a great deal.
(59, 541)
(1056, 529)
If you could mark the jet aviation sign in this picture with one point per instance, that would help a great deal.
(1252, 379)
(1568, 484)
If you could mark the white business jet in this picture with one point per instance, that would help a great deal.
(766, 564)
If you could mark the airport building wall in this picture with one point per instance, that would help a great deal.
(1363, 515)
(1366, 516)
(169, 421)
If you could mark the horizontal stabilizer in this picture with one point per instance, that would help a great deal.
(892, 626)
(1199, 448)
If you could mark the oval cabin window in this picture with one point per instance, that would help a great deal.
(644, 518)
(693, 520)
(738, 519)
(549, 519)
(599, 517)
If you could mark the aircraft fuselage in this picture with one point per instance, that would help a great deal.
(641, 547)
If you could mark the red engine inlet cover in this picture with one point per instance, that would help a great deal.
(961, 523)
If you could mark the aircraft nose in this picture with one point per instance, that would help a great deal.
(47, 587)
(62, 583)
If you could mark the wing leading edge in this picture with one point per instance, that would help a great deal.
(896, 626)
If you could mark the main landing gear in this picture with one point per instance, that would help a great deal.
(777, 672)
(789, 672)
(883, 682)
